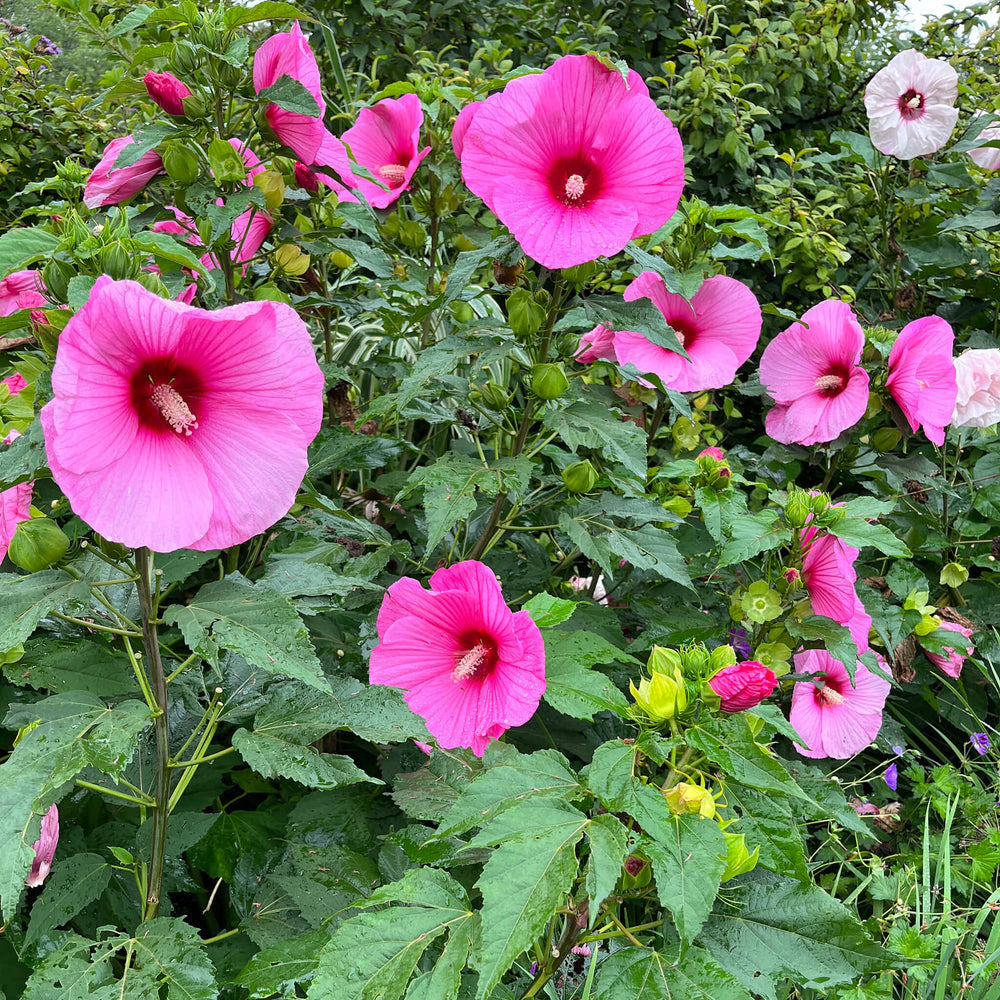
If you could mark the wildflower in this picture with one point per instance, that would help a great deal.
(742, 685)
(175, 427)
(814, 376)
(980, 743)
(922, 375)
(740, 642)
(385, 141)
(685, 797)
(760, 603)
(835, 718)
(949, 659)
(108, 185)
(167, 91)
(471, 667)
(988, 157)
(575, 161)
(911, 105)
(719, 328)
(891, 776)
(44, 848)
(977, 403)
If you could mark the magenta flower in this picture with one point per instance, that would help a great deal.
(108, 186)
(21, 290)
(980, 743)
(310, 180)
(575, 161)
(597, 345)
(988, 157)
(719, 329)
(461, 126)
(470, 666)
(385, 141)
(835, 718)
(951, 660)
(828, 575)
(922, 375)
(814, 376)
(743, 685)
(174, 427)
(911, 105)
(891, 776)
(44, 848)
(15, 505)
(167, 91)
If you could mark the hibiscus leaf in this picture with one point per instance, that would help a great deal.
(642, 972)
(266, 11)
(571, 686)
(767, 822)
(859, 533)
(684, 284)
(609, 846)
(546, 610)
(20, 247)
(73, 884)
(836, 639)
(291, 95)
(272, 757)
(751, 535)
(253, 621)
(24, 459)
(281, 967)
(28, 599)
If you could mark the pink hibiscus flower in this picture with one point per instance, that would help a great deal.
(21, 290)
(385, 141)
(174, 427)
(922, 375)
(911, 105)
(977, 403)
(167, 91)
(44, 848)
(951, 661)
(15, 503)
(719, 329)
(597, 345)
(461, 126)
(814, 376)
(989, 156)
(575, 161)
(743, 685)
(835, 718)
(288, 54)
(828, 575)
(470, 666)
(108, 185)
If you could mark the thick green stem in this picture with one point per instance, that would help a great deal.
(158, 683)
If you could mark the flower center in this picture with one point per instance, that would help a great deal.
(470, 662)
(830, 383)
(911, 105)
(173, 409)
(828, 695)
(393, 173)
(575, 187)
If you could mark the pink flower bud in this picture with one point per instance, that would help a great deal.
(791, 575)
(44, 848)
(951, 661)
(167, 91)
(717, 453)
(743, 685)
(306, 178)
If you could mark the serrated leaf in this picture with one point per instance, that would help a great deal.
(143, 140)
(546, 610)
(545, 774)
(430, 792)
(266, 11)
(688, 870)
(271, 757)
(608, 841)
(836, 639)
(643, 973)
(571, 686)
(777, 927)
(280, 968)
(680, 283)
(60, 665)
(135, 18)
(73, 883)
(253, 621)
(290, 94)
(641, 317)
(768, 823)
(21, 247)
(592, 425)
(28, 599)
(23, 460)
(468, 261)
(859, 533)
(751, 535)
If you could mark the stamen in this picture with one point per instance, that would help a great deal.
(829, 695)
(829, 383)
(574, 187)
(173, 409)
(469, 663)
(393, 173)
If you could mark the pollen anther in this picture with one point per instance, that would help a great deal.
(829, 383)
(574, 187)
(173, 409)
(470, 662)
(393, 173)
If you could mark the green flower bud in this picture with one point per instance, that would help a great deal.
(290, 260)
(180, 163)
(184, 58)
(677, 505)
(662, 660)
(119, 263)
(227, 74)
(542, 297)
(722, 656)
(548, 381)
(580, 477)
(342, 260)
(886, 439)
(662, 696)
(494, 397)
(462, 311)
(194, 106)
(524, 314)
(273, 186)
(798, 507)
(820, 503)
(152, 283)
(226, 162)
(695, 658)
(37, 544)
(56, 275)
(953, 575)
(637, 871)
(685, 797)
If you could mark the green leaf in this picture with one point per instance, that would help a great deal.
(640, 316)
(165, 248)
(271, 757)
(135, 18)
(768, 823)
(281, 967)
(775, 927)
(143, 140)
(546, 610)
(632, 973)
(751, 535)
(73, 883)
(503, 248)
(371, 258)
(373, 954)
(28, 599)
(686, 283)
(545, 774)
(290, 94)
(593, 425)
(524, 882)
(859, 533)
(266, 11)
(253, 621)
(571, 687)
(609, 846)
(688, 870)
(430, 792)
(836, 638)
(730, 744)
(61, 665)
(24, 459)
(21, 247)
(375, 713)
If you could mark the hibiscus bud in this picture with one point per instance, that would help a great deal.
(290, 260)
(180, 163)
(791, 576)
(685, 797)
(167, 91)
(637, 872)
(184, 58)
(714, 453)
(524, 314)
(37, 544)
(228, 75)
(742, 685)
(341, 260)
(44, 848)
(798, 509)
(56, 276)
(493, 397)
(117, 262)
(580, 477)
(306, 178)
(273, 186)
(548, 381)
(886, 439)
(953, 575)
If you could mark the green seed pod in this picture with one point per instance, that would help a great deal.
(180, 163)
(580, 477)
(119, 263)
(184, 58)
(37, 544)
(226, 163)
(524, 314)
(56, 275)
(548, 381)
(798, 509)
(494, 397)
(886, 439)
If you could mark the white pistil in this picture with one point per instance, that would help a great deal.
(468, 664)
(574, 187)
(393, 173)
(173, 409)
(829, 383)
(830, 696)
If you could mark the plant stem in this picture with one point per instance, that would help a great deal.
(143, 561)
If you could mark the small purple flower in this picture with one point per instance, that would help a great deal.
(980, 742)
(740, 643)
(533, 969)
(899, 751)
(891, 776)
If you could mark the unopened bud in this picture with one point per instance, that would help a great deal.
(273, 186)
(167, 91)
(37, 544)
(290, 260)
(580, 477)
(548, 381)
(494, 397)
(524, 314)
